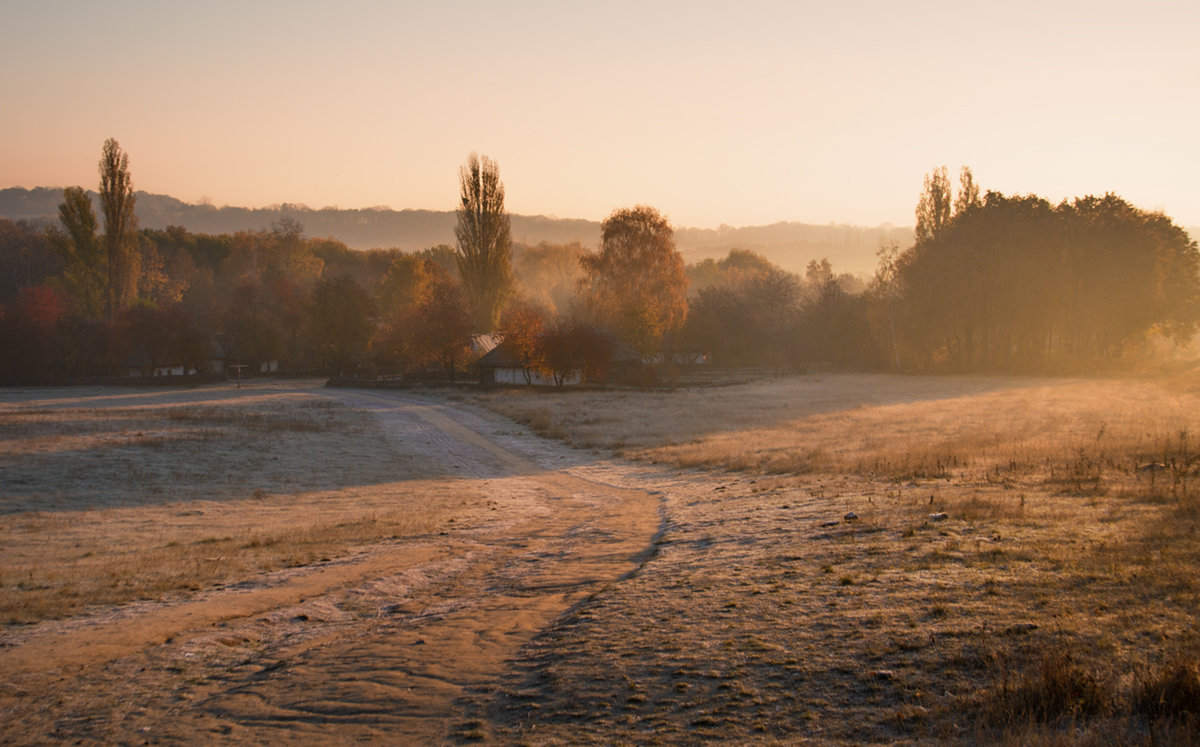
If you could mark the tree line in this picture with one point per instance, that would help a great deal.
(1014, 283)
(992, 283)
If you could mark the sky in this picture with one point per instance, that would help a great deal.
(715, 113)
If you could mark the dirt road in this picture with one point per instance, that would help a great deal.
(387, 645)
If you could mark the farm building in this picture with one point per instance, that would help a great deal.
(501, 367)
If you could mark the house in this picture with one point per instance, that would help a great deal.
(141, 363)
(500, 366)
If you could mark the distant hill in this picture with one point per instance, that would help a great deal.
(793, 245)
(789, 245)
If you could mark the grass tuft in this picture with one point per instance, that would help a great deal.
(1171, 691)
(1059, 686)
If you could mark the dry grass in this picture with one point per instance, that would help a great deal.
(111, 499)
(889, 427)
(1009, 574)
(1012, 576)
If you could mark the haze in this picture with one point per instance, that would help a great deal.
(712, 113)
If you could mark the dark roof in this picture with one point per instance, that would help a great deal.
(500, 356)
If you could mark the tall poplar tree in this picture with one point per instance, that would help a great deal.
(968, 191)
(933, 209)
(484, 242)
(120, 227)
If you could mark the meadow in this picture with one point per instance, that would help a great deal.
(839, 558)
(892, 558)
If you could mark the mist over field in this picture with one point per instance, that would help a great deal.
(789, 245)
(260, 486)
(753, 373)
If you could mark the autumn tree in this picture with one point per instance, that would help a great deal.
(423, 318)
(444, 256)
(27, 257)
(169, 265)
(636, 283)
(444, 331)
(484, 241)
(120, 228)
(28, 328)
(521, 328)
(571, 346)
(743, 309)
(401, 298)
(405, 286)
(269, 275)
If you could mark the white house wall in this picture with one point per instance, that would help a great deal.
(516, 377)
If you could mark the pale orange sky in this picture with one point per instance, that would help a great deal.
(713, 112)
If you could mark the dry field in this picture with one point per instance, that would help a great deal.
(829, 559)
(1022, 568)
(283, 562)
(109, 498)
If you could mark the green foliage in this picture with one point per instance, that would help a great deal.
(27, 257)
(85, 264)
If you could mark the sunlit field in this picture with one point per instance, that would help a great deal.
(889, 427)
(887, 557)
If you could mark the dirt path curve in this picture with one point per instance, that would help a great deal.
(386, 646)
